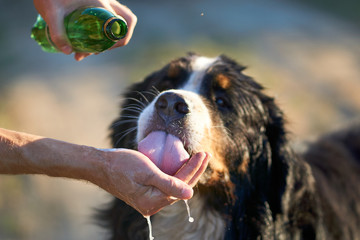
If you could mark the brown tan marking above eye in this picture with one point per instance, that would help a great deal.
(223, 81)
(173, 70)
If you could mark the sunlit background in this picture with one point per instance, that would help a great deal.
(306, 53)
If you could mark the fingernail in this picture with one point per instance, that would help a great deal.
(188, 193)
(66, 49)
(79, 58)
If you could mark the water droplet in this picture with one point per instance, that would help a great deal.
(191, 219)
(150, 227)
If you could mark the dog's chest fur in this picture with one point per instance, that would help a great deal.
(172, 222)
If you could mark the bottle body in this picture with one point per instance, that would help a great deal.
(88, 30)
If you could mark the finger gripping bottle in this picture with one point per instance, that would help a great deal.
(90, 30)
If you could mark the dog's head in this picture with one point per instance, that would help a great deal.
(200, 104)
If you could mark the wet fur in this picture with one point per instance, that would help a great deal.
(264, 190)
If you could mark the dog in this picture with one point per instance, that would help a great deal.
(255, 186)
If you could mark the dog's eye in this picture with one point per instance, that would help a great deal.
(221, 102)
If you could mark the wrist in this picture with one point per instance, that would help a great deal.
(93, 165)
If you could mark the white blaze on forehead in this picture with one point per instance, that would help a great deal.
(199, 67)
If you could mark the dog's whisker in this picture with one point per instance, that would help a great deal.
(156, 91)
(142, 95)
(124, 134)
(133, 108)
(123, 122)
(137, 100)
(130, 116)
(129, 111)
(126, 131)
(135, 104)
(153, 93)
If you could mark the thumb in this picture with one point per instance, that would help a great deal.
(171, 186)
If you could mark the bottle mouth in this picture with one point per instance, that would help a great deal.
(115, 28)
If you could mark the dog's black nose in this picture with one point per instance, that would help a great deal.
(171, 106)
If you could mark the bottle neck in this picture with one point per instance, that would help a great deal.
(115, 28)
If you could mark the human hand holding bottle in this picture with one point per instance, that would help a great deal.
(54, 12)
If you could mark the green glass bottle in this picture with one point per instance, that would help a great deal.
(88, 29)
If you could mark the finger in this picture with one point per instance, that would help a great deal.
(187, 172)
(151, 205)
(81, 56)
(195, 174)
(171, 186)
(200, 171)
(53, 16)
(58, 33)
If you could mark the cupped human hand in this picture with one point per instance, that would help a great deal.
(54, 12)
(132, 177)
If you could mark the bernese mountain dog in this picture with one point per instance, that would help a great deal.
(255, 186)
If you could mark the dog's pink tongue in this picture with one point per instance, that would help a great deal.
(165, 150)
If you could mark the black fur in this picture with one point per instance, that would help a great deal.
(281, 195)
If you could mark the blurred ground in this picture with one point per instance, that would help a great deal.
(308, 58)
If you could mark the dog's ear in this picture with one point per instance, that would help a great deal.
(259, 192)
(280, 153)
(275, 124)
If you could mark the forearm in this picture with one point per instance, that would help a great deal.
(22, 153)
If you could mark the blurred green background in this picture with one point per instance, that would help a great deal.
(306, 53)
